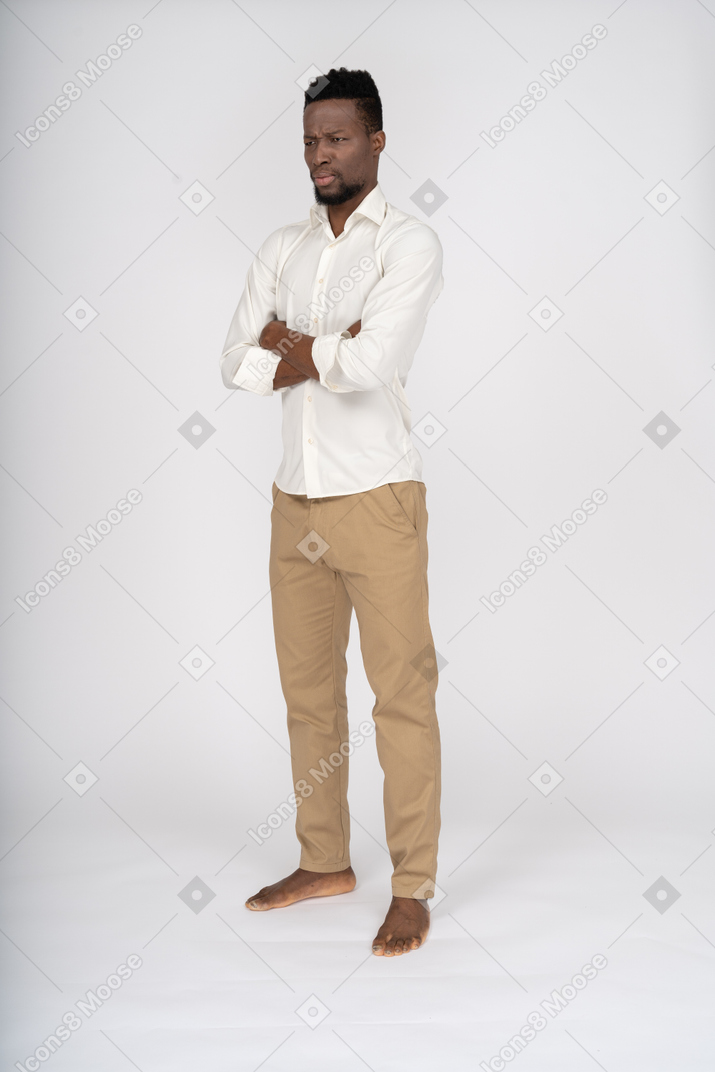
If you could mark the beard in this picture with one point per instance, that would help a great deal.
(338, 193)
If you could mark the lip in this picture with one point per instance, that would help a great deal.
(323, 178)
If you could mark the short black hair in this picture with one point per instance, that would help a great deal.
(359, 86)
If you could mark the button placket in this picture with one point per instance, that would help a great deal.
(310, 443)
(322, 265)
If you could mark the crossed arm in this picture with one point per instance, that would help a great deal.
(296, 364)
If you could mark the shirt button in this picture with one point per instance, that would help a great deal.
(315, 320)
(310, 398)
(310, 440)
(320, 280)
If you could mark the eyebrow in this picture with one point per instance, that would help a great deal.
(340, 130)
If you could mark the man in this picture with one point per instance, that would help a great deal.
(349, 517)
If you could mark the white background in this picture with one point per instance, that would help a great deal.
(532, 884)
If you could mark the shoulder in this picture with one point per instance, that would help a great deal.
(282, 238)
(403, 233)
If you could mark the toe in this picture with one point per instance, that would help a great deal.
(390, 948)
(257, 903)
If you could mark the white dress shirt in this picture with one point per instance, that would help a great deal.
(350, 430)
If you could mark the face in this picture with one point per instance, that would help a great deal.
(336, 144)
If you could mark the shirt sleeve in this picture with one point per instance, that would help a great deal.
(243, 363)
(393, 318)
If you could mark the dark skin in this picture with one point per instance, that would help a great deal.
(287, 375)
(335, 141)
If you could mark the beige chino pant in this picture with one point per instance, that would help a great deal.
(368, 551)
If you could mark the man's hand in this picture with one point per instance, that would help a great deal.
(273, 333)
(276, 332)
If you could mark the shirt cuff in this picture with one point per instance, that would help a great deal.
(256, 371)
(324, 354)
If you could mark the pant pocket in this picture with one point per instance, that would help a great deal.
(403, 495)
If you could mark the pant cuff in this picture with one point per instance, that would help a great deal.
(417, 895)
(324, 869)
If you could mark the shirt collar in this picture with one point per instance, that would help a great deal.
(373, 206)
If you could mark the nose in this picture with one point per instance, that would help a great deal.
(320, 155)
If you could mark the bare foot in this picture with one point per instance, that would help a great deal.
(302, 884)
(405, 928)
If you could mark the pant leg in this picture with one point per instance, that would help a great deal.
(378, 544)
(311, 620)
